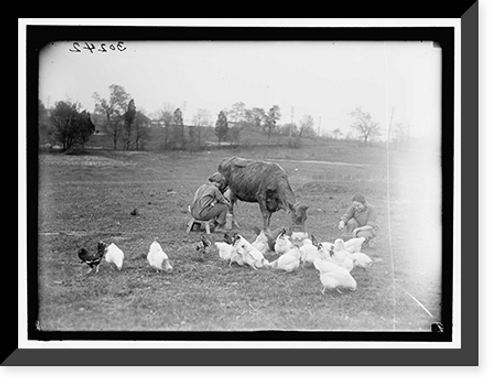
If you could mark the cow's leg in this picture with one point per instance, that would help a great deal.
(266, 216)
(268, 221)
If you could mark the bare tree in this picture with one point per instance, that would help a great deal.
(364, 124)
(237, 112)
(306, 126)
(400, 135)
(113, 110)
(201, 121)
(166, 118)
(337, 133)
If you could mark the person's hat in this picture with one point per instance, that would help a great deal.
(359, 198)
(217, 177)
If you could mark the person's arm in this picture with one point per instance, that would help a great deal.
(219, 197)
(361, 228)
(346, 217)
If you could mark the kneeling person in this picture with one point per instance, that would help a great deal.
(359, 220)
(209, 203)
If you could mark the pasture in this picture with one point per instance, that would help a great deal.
(89, 197)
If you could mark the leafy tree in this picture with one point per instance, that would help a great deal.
(221, 127)
(270, 120)
(129, 118)
(141, 131)
(178, 130)
(364, 124)
(255, 116)
(71, 127)
(84, 128)
(44, 125)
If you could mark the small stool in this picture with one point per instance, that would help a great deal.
(198, 222)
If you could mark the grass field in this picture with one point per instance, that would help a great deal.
(87, 198)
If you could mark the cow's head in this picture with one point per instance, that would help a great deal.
(298, 214)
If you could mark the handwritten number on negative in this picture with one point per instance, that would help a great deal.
(76, 48)
(103, 48)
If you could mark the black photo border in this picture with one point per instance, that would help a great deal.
(38, 36)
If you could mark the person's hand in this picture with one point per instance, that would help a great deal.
(355, 232)
(341, 224)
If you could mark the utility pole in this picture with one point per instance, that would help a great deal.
(290, 127)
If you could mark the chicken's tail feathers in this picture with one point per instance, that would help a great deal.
(165, 265)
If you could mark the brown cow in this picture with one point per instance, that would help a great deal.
(262, 182)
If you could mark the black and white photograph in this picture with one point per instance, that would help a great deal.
(240, 186)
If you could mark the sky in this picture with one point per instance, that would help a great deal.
(326, 80)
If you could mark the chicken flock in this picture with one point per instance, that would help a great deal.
(334, 261)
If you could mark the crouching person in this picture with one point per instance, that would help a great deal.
(359, 220)
(209, 203)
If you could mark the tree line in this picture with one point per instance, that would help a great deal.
(130, 128)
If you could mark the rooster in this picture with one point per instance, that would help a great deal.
(92, 260)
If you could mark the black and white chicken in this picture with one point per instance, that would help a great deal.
(92, 260)
(203, 245)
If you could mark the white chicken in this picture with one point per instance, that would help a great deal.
(250, 255)
(334, 276)
(237, 256)
(253, 257)
(114, 255)
(361, 260)
(289, 261)
(308, 253)
(340, 256)
(283, 244)
(225, 250)
(354, 244)
(157, 258)
(261, 243)
(300, 238)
